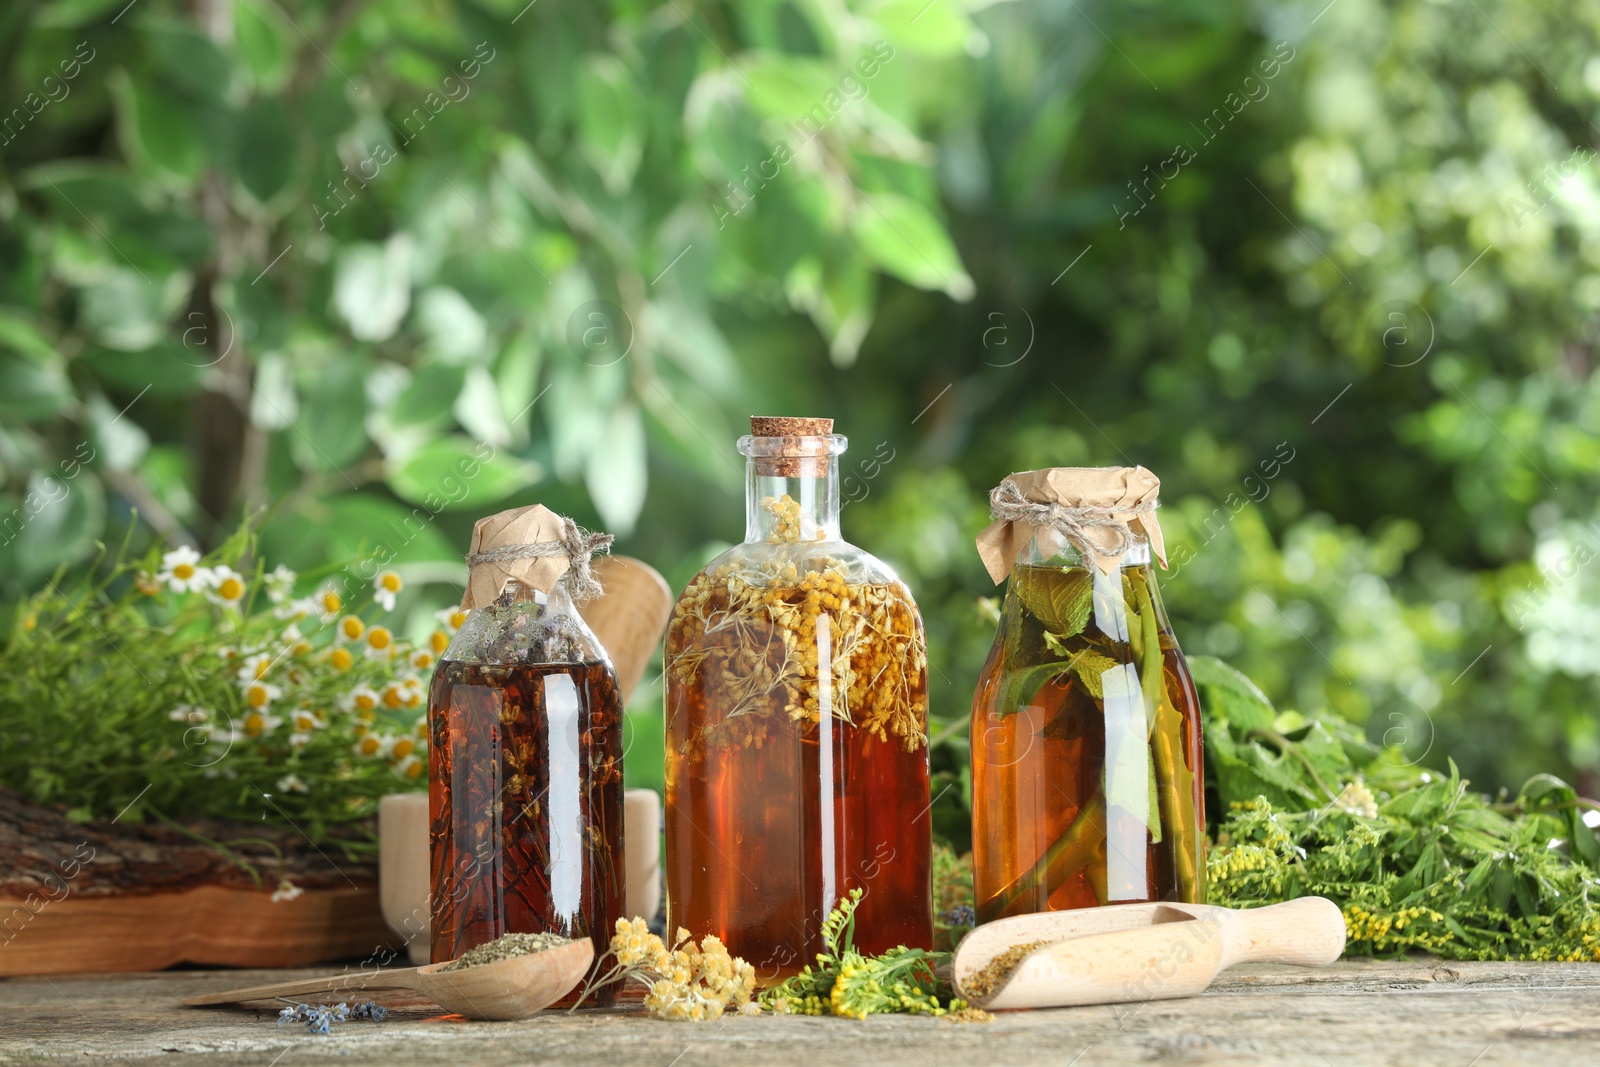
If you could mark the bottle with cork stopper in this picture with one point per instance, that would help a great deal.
(797, 725)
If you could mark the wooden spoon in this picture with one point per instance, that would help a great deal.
(629, 617)
(512, 988)
(1136, 952)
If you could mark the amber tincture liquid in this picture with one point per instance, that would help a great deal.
(1086, 772)
(525, 791)
(797, 759)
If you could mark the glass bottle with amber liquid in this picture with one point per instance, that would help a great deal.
(1086, 751)
(796, 732)
(525, 771)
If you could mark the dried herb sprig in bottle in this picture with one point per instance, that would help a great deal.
(525, 786)
(797, 713)
(1086, 773)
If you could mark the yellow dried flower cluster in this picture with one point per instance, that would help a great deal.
(798, 639)
(785, 512)
(1388, 932)
(687, 982)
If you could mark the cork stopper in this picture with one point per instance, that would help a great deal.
(783, 426)
(786, 447)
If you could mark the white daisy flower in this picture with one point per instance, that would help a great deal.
(327, 603)
(410, 767)
(259, 695)
(305, 720)
(451, 618)
(291, 783)
(280, 584)
(254, 668)
(384, 588)
(369, 746)
(421, 659)
(260, 724)
(295, 610)
(182, 572)
(380, 642)
(361, 698)
(286, 890)
(227, 586)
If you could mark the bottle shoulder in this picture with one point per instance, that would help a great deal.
(536, 629)
(776, 563)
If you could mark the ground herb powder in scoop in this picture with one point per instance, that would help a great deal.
(505, 947)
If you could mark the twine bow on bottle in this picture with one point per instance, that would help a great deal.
(1007, 504)
(1101, 511)
(578, 545)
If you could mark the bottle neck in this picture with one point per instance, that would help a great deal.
(1048, 547)
(792, 507)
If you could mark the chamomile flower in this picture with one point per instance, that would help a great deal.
(260, 724)
(451, 618)
(280, 584)
(254, 668)
(439, 641)
(295, 610)
(341, 659)
(191, 713)
(286, 890)
(328, 602)
(227, 586)
(304, 720)
(370, 746)
(394, 696)
(182, 572)
(361, 698)
(410, 767)
(147, 583)
(291, 783)
(351, 628)
(380, 642)
(412, 691)
(384, 588)
(259, 695)
(421, 659)
(401, 747)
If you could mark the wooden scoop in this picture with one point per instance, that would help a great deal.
(629, 617)
(512, 988)
(1136, 952)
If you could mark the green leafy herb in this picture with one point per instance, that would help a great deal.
(1059, 599)
(844, 982)
(1413, 857)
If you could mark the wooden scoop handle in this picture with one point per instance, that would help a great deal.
(404, 978)
(1308, 932)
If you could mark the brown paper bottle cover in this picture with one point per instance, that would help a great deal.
(1095, 507)
(518, 526)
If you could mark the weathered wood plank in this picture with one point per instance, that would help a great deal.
(1416, 1013)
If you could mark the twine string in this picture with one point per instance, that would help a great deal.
(1007, 504)
(578, 545)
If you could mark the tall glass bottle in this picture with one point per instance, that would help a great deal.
(525, 775)
(797, 745)
(1086, 751)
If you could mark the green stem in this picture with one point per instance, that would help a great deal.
(1284, 745)
(1065, 857)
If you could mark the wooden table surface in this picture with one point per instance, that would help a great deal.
(1415, 1013)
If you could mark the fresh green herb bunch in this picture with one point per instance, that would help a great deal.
(846, 983)
(175, 685)
(1413, 857)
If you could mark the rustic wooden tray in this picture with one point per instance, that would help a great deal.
(109, 896)
(213, 925)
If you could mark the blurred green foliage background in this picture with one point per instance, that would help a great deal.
(1331, 272)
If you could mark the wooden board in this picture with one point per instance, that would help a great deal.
(210, 924)
(1358, 1013)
